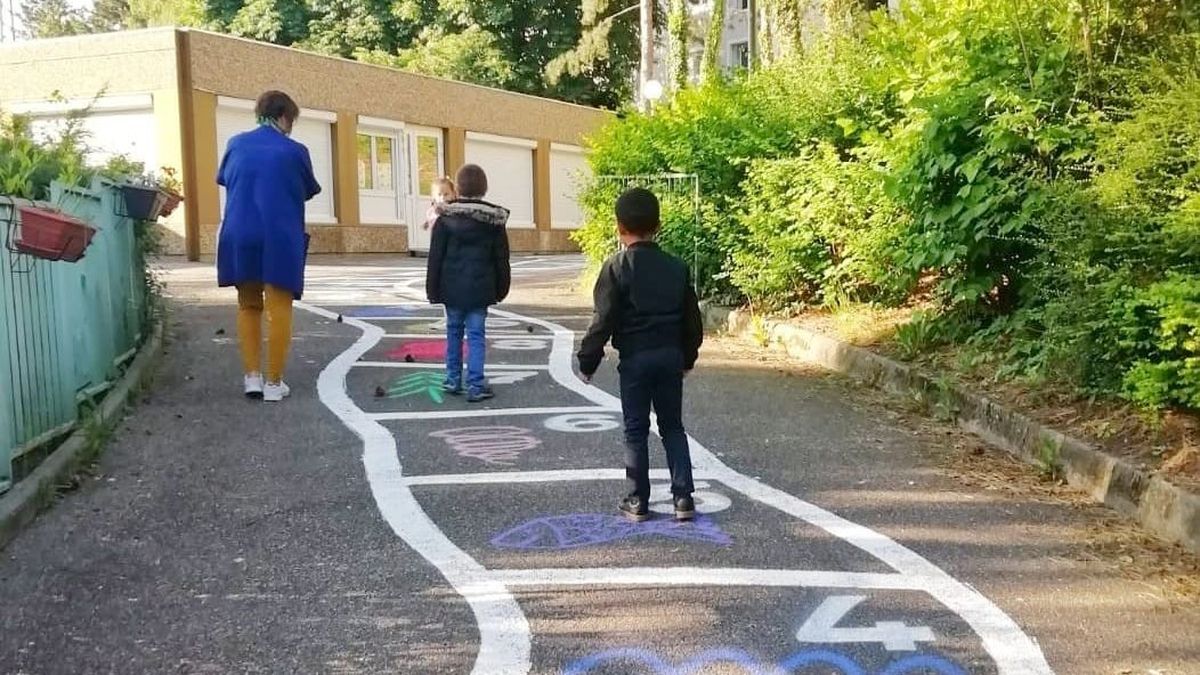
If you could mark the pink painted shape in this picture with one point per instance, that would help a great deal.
(421, 350)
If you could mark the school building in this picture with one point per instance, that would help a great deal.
(378, 136)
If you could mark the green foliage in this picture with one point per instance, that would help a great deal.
(820, 230)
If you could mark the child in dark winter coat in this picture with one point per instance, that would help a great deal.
(645, 303)
(468, 271)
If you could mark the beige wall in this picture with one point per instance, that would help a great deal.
(233, 67)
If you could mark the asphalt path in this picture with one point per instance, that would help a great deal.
(372, 524)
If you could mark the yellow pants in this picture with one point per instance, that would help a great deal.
(252, 298)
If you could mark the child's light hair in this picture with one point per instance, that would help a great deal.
(445, 182)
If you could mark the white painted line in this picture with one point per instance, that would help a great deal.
(504, 639)
(485, 412)
(438, 366)
(562, 475)
(704, 576)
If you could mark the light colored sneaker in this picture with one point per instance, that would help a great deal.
(254, 385)
(275, 392)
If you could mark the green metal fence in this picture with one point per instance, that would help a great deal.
(67, 330)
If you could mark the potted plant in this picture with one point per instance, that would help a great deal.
(52, 235)
(172, 189)
(143, 201)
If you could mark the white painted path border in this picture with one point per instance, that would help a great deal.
(505, 640)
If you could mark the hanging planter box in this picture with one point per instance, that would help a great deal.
(51, 235)
(142, 202)
(171, 202)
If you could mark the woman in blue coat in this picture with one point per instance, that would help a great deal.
(262, 244)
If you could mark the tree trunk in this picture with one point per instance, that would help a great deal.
(678, 28)
(646, 69)
(711, 69)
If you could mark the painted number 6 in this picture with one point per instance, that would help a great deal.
(582, 423)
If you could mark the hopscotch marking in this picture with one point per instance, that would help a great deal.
(582, 423)
(505, 638)
(498, 368)
(821, 627)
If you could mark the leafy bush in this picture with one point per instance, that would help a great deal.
(819, 230)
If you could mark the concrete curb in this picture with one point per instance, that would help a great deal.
(21, 505)
(1164, 509)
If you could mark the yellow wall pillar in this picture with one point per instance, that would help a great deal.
(203, 196)
(169, 142)
(345, 169)
(542, 211)
(456, 150)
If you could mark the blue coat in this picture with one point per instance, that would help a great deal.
(267, 178)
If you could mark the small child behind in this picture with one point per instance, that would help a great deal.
(645, 302)
(468, 271)
(443, 192)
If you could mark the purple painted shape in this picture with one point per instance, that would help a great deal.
(576, 530)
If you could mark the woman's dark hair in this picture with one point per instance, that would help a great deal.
(276, 105)
(637, 212)
(472, 182)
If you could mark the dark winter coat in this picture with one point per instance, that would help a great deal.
(643, 300)
(468, 256)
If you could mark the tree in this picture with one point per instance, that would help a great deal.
(470, 56)
(710, 68)
(53, 18)
(148, 13)
(677, 29)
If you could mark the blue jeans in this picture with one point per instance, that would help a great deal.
(653, 379)
(472, 322)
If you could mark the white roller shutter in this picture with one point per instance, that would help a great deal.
(114, 125)
(508, 163)
(568, 169)
(313, 129)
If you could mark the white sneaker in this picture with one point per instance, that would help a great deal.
(274, 392)
(254, 385)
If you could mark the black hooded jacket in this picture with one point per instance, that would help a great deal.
(468, 256)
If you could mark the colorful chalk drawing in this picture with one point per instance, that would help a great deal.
(582, 423)
(577, 530)
(492, 445)
(415, 384)
(645, 662)
(421, 350)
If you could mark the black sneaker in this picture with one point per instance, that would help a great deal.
(477, 395)
(634, 509)
(452, 388)
(685, 508)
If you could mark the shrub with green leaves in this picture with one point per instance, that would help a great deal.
(820, 230)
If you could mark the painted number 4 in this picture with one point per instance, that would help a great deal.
(895, 636)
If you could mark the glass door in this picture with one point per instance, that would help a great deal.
(427, 163)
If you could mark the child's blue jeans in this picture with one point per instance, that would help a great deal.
(472, 322)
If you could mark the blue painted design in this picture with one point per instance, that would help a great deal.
(812, 657)
(578, 530)
(923, 662)
(380, 312)
(652, 664)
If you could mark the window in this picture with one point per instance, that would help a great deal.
(429, 162)
(742, 4)
(739, 53)
(376, 156)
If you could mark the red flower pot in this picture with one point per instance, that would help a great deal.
(172, 202)
(52, 235)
